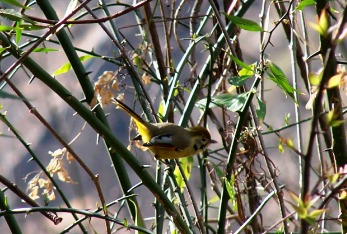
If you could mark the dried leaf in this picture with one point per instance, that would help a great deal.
(34, 193)
(64, 176)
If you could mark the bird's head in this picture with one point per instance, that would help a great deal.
(201, 138)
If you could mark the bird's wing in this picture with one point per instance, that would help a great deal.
(162, 141)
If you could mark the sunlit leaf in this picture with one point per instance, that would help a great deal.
(44, 50)
(280, 147)
(333, 178)
(161, 109)
(316, 27)
(241, 64)
(213, 200)
(245, 24)
(125, 223)
(299, 206)
(137, 60)
(280, 79)
(18, 32)
(315, 78)
(287, 118)
(316, 213)
(233, 102)
(248, 70)
(288, 141)
(244, 74)
(67, 66)
(2, 49)
(323, 24)
(343, 195)
(6, 28)
(186, 165)
(15, 3)
(335, 80)
(332, 119)
(304, 3)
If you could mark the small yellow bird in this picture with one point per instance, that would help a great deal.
(168, 140)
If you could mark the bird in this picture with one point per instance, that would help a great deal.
(168, 140)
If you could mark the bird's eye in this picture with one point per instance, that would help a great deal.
(203, 139)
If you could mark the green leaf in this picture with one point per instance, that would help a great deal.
(15, 3)
(44, 50)
(63, 69)
(323, 24)
(287, 118)
(280, 79)
(245, 24)
(2, 49)
(18, 32)
(231, 192)
(247, 71)
(213, 200)
(232, 102)
(239, 80)
(241, 64)
(280, 147)
(217, 170)
(261, 111)
(14, 15)
(335, 81)
(315, 78)
(31, 27)
(300, 208)
(316, 213)
(6, 28)
(67, 66)
(201, 104)
(304, 3)
(186, 164)
(332, 119)
(125, 223)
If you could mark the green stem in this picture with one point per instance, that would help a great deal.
(10, 219)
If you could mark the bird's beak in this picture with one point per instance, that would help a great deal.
(213, 141)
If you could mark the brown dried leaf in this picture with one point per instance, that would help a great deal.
(63, 175)
(33, 182)
(69, 157)
(54, 165)
(146, 79)
(34, 193)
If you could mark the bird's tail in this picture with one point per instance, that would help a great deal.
(143, 127)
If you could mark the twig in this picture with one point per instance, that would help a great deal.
(191, 196)
(260, 207)
(74, 211)
(50, 31)
(13, 187)
(91, 21)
